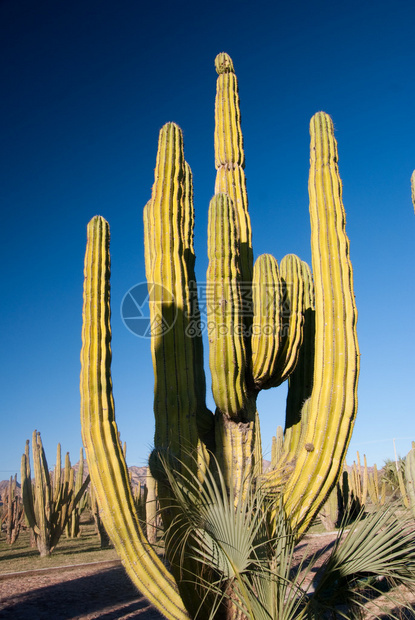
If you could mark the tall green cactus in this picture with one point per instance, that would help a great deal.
(413, 188)
(48, 502)
(410, 477)
(106, 463)
(333, 400)
(242, 359)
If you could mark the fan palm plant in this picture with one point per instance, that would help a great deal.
(245, 560)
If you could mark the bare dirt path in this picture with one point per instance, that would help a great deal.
(104, 592)
(81, 593)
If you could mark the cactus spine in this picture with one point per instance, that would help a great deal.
(413, 188)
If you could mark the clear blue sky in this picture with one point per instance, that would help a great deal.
(86, 86)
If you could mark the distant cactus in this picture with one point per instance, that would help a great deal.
(410, 477)
(104, 539)
(13, 513)
(358, 480)
(48, 501)
(73, 526)
(151, 508)
(377, 494)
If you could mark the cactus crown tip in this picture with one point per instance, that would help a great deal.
(223, 63)
(322, 120)
(170, 125)
(96, 219)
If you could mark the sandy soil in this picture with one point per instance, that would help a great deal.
(77, 593)
(103, 592)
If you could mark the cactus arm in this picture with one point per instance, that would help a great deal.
(410, 477)
(230, 158)
(266, 322)
(365, 481)
(333, 401)
(291, 276)
(27, 493)
(204, 420)
(300, 382)
(235, 413)
(151, 508)
(179, 397)
(227, 354)
(42, 494)
(277, 447)
(292, 301)
(57, 474)
(277, 328)
(106, 463)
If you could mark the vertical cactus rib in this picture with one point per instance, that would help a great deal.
(105, 459)
(230, 158)
(42, 492)
(410, 477)
(227, 354)
(228, 135)
(27, 491)
(333, 401)
(266, 322)
(179, 396)
(235, 414)
(277, 327)
(300, 382)
(292, 319)
(413, 188)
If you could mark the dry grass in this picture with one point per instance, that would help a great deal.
(21, 557)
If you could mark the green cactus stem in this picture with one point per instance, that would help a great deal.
(277, 447)
(410, 477)
(235, 413)
(230, 158)
(333, 401)
(104, 454)
(151, 508)
(179, 398)
(73, 528)
(292, 318)
(227, 353)
(266, 323)
(300, 382)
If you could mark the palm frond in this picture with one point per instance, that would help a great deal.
(235, 558)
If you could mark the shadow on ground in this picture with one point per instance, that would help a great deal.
(107, 595)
